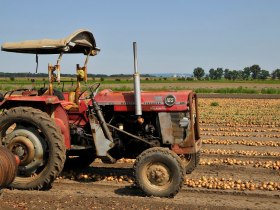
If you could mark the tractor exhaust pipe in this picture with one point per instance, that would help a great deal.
(136, 77)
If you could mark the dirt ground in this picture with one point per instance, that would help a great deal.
(239, 156)
(73, 195)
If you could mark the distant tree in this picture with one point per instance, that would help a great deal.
(190, 78)
(216, 74)
(264, 74)
(234, 75)
(198, 73)
(275, 74)
(12, 78)
(226, 74)
(102, 79)
(255, 69)
(219, 73)
(212, 73)
(240, 75)
(246, 73)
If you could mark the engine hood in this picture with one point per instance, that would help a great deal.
(150, 100)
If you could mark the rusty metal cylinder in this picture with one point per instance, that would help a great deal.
(8, 167)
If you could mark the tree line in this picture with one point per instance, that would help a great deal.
(252, 72)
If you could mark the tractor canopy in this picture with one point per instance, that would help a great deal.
(81, 41)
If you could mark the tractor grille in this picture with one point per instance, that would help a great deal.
(169, 125)
(177, 131)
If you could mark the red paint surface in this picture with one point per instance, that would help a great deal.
(151, 101)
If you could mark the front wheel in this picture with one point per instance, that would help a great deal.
(191, 161)
(159, 172)
(34, 137)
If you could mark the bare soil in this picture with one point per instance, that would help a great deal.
(98, 192)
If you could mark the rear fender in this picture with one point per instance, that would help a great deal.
(49, 104)
(58, 113)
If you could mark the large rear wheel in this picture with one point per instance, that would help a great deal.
(159, 172)
(34, 137)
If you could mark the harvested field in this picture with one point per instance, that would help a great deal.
(196, 85)
(239, 168)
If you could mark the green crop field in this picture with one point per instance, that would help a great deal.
(150, 83)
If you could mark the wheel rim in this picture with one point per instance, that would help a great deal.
(23, 148)
(158, 175)
(26, 143)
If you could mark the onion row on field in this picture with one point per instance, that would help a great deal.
(232, 161)
(241, 142)
(89, 176)
(239, 152)
(238, 134)
(237, 121)
(203, 182)
(234, 125)
(230, 184)
(238, 129)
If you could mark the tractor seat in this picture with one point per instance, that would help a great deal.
(71, 96)
(70, 105)
(56, 92)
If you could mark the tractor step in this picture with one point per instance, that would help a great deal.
(108, 159)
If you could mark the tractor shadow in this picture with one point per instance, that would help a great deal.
(114, 174)
(130, 191)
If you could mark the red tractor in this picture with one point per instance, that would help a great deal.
(46, 127)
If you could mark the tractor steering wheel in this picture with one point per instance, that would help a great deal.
(93, 90)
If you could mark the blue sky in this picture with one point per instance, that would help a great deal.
(172, 36)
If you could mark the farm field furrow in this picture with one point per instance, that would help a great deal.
(228, 172)
(241, 141)
(240, 148)
(241, 157)
(247, 134)
(254, 129)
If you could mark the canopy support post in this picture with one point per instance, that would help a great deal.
(81, 76)
(52, 76)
